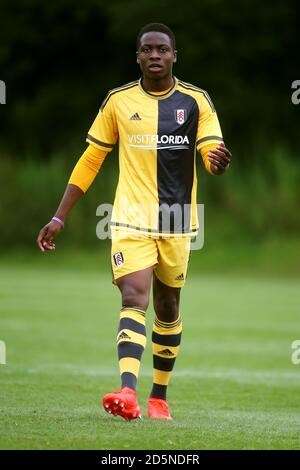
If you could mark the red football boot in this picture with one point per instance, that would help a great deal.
(158, 409)
(122, 403)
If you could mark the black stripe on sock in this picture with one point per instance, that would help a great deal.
(132, 325)
(135, 309)
(166, 340)
(133, 350)
(128, 380)
(167, 326)
(159, 391)
(163, 363)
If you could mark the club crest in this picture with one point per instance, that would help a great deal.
(180, 116)
(118, 259)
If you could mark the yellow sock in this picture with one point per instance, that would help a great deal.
(166, 339)
(131, 342)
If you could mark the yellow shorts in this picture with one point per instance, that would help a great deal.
(168, 256)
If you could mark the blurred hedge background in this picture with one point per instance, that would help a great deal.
(58, 61)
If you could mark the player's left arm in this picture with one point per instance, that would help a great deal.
(216, 158)
(210, 144)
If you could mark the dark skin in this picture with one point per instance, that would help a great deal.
(156, 57)
(52, 229)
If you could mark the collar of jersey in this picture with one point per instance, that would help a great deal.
(159, 97)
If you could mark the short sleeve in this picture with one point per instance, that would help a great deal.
(209, 130)
(104, 131)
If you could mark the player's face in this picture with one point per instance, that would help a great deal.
(156, 55)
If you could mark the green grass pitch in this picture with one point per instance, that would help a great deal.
(234, 386)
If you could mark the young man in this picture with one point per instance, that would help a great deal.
(159, 121)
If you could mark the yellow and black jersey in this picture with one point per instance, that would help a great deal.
(158, 137)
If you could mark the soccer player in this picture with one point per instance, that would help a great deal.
(160, 122)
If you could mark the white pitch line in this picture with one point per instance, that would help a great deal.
(235, 374)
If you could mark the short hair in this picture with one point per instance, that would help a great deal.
(157, 27)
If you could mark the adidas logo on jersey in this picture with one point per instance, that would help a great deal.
(123, 335)
(165, 352)
(180, 277)
(135, 117)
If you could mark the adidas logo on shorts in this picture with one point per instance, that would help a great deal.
(180, 277)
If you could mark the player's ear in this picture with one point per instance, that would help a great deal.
(175, 56)
(137, 57)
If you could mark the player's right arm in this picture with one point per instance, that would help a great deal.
(81, 178)
(52, 229)
(102, 136)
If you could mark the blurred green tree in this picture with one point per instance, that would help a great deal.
(59, 59)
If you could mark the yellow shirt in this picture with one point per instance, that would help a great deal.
(158, 136)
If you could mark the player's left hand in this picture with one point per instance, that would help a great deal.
(219, 158)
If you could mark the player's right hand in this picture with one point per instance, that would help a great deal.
(47, 234)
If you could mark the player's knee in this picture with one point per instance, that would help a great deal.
(133, 296)
(166, 309)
